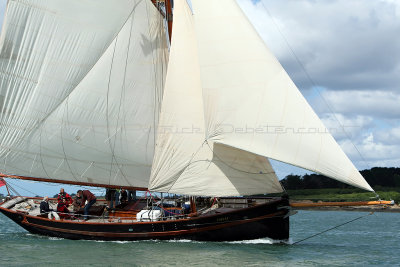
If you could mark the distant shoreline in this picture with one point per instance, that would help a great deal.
(392, 208)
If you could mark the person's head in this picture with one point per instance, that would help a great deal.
(61, 190)
(79, 193)
(46, 198)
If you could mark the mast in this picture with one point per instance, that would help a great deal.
(168, 7)
(167, 14)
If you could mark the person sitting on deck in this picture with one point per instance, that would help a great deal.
(91, 199)
(44, 206)
(62, 208)
(63, 194)
(45, 209)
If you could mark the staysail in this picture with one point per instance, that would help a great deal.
(185, 161)
(80, 94)
(249, 104)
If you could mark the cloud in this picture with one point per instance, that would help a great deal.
(350, 52)
(378, 104)
(342, 127)
(388, 137)
(343, 44)
(370, 152)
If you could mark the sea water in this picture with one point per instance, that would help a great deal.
(370, 241)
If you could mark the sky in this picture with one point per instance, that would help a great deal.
(344, 56)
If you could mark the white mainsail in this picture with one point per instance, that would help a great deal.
(249, 103)
(81, 93)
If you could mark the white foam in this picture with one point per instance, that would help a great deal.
(55, 238)
(117, 242)
(183, 241)
(267, 241)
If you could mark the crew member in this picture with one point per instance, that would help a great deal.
(62, 208)
(124, 196)
(44, 206)
(91, 199)
(110, 196)
(63, 194)
(45, 209)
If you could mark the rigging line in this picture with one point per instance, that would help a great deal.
(35, 194)
(62, 140)
(40, 153)
(187, 165)
(123, 89)
(113, 157)
(155, 78)
(332, 228)
(107, 107)
(234, 167)
(12, 189)
(313, 83)
(41, 121)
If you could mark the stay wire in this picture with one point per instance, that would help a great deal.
(337, 226)
(316, 88)
(33, 193)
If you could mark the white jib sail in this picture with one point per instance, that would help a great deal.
(250, 101)
(185, 162)
(81, 92)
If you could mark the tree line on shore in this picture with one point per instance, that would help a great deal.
(377, 177)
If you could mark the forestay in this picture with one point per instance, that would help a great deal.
(80, 88)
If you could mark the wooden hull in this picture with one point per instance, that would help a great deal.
(265, 220)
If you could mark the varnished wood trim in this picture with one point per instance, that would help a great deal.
(71, 182)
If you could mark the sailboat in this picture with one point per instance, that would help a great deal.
(93, 93)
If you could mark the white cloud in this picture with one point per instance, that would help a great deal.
(342, 127)
(379, 104)
(391, 136)
(369, 152)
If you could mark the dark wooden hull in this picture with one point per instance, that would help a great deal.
(265, 220)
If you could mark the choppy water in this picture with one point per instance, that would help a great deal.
(371, 241)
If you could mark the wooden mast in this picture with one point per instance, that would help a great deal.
(167, 15)
(168, 8)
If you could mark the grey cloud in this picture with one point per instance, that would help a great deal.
(343, 44)
(379, 104)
